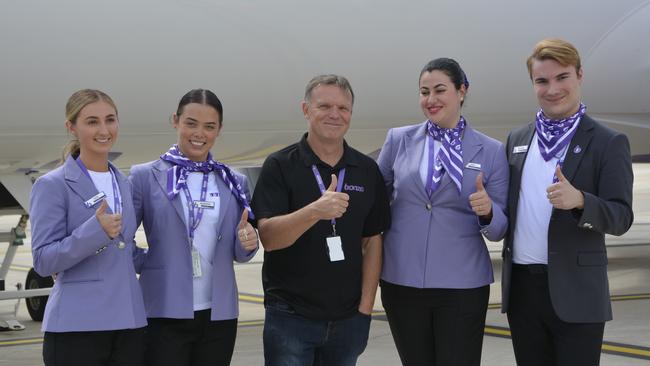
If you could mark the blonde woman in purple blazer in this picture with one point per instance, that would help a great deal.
(194, 211)
(447, 184)
(83, 224)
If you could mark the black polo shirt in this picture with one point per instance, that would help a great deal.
(302, 275)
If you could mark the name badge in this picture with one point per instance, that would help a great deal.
(94, 199)
(520, 149)
(204, 204)
(196, 263)
(473, 166)
(335, 248)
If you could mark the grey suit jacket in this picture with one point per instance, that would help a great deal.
(598, 163)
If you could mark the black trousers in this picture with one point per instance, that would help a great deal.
(190, 342)
(442, 327)
(123, 347)
(539, 337)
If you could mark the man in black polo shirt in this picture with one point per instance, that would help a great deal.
(321, 208)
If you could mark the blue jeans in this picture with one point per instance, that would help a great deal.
(293, 340)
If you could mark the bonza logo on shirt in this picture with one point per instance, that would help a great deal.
(351, 187)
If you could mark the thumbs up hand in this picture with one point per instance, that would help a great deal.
(480, 200)
(111, 223)
(562, 195)
(246, 233)
(332, 204)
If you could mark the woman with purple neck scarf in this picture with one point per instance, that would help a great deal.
(195, 214)
(448, 188)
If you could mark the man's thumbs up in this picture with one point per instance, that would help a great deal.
(332, 186)
(562, 195)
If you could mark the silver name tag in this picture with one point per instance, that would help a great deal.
(204, 204)
(520, 149)
(94, 199)
(473, 166)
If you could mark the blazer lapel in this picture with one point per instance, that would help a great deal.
(79, 182)
(160, 174)
(577, 147)
(414, 144)
(516, 162)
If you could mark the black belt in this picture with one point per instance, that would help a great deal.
(530, 268)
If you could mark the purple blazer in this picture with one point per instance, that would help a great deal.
(438, 242)
(93, 290)
(166, 268)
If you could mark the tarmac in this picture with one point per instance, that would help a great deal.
(626, 339)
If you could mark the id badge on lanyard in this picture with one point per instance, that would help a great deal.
(334, 243)
(195, 220)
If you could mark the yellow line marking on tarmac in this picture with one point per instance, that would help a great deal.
(250, 323)
(19, 342)
(19, 268)
(626, 350)
(630, 297)
(497, 331)
(258, 299)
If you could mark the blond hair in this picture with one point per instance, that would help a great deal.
(557, 50)
(77, 101)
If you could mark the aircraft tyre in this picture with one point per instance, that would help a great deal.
(36, 305)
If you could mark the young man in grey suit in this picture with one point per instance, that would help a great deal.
(570, 184)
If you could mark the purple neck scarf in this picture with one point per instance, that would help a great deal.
(450, 156)
(182, 166)
(553, 136)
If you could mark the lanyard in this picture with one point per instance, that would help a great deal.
(321, 186)
(195, 219)
(117, 197)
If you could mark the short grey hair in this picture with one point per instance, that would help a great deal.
(329, 79)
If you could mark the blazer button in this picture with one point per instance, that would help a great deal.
(219, 237)
(428, 206)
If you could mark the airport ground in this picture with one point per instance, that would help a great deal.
(626, 340)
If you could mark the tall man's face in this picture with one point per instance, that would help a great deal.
(328, 111)
(557, 88)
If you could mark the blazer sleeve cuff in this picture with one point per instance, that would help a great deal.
(496, 229)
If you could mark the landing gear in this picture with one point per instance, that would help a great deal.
(36, 304)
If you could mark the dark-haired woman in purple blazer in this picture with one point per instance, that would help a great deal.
(448, 185)
(195, 214)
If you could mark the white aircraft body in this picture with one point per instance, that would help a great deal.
(258, 55)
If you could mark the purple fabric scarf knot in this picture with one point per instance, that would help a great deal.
(182, 166)
(450, 156)
(553, 136)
